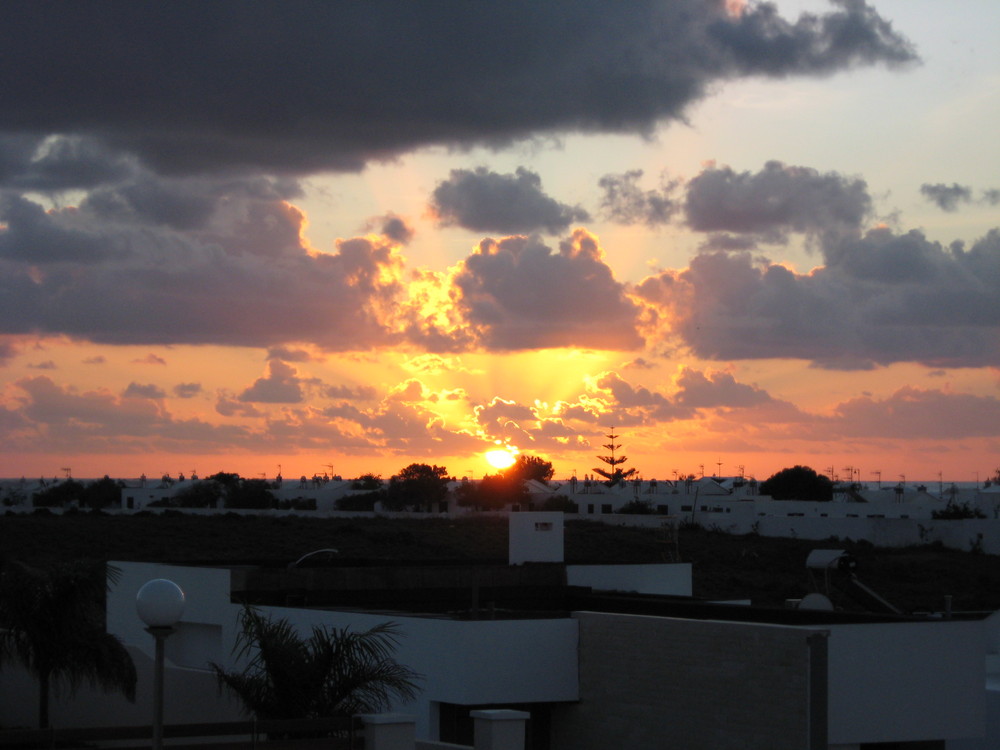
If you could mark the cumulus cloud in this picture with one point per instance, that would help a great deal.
(624, 202)
(919, 413)
(882, 298)
(396, 228)
(66, 420)
(776, 200)
(245, 277)
(486, 201)
(299, 80)
(281, 385)
(518, 294)
(701, 390)
(946, 197)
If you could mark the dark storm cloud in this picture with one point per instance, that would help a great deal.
(776, 200)
(486, 201)
(517, 294)
(50, 164)
(297, 87)
(625, 202)
(762, 42)
(947, 197)
(880, 299)
(35, 236)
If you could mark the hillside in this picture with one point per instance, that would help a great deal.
(765, 570)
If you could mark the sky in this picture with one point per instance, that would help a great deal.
(341, 238)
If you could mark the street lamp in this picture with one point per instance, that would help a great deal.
(160, 604)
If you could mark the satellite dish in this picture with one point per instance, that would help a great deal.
(817, 602)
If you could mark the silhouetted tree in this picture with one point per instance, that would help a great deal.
(417, 485)
(52, 623)
(531, 467)
(102, 493)
(560, 502)
(59, 494)
(798, 483)
(250, 493)
(615, 474)
(333, 672)
(202, 494)
(367, 482)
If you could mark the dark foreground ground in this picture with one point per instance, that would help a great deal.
(764, 570)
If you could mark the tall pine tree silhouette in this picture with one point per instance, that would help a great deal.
(615, 474)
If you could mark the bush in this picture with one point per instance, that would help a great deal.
(957, 511)
(362, 501)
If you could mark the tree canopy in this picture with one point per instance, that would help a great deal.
(417, 485)
(798, 483)
(494, 492)
(530, 467)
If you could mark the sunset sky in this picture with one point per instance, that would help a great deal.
(344, 237)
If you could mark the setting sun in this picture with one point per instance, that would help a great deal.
(501, 458)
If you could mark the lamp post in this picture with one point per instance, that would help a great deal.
(160, 604)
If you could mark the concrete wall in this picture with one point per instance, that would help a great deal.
(652, 682)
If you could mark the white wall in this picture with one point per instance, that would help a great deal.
(536, 537)
(906, 681)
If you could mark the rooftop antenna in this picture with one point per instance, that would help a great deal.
(701, 468)
(878, 478)
(67, 472)
(718, 465)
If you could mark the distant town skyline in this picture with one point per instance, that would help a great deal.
(348, 238)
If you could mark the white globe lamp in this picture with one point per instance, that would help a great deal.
(160, 603)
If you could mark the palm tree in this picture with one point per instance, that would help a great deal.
(333, 672)
(52, 623)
